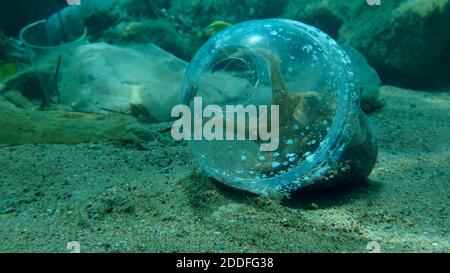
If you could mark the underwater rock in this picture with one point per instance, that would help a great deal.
(386, 34)
(139, 8)
(233, 11)
(160, 32)
(106, 78)
(99, 5)
(101, 15)
(320, 14)
(406, 42)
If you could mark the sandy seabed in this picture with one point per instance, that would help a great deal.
(112, 198)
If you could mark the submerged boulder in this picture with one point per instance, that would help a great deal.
(159, 32)
(408, 43)
(320, 14)
(233, 11)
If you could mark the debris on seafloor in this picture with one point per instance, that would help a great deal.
(142, 80)
(321, 138)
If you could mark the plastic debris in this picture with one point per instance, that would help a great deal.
(106, 78)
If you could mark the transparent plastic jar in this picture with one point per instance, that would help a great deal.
(324, 136)
(50, 45)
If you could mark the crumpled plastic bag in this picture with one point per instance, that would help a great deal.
(105, 78)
